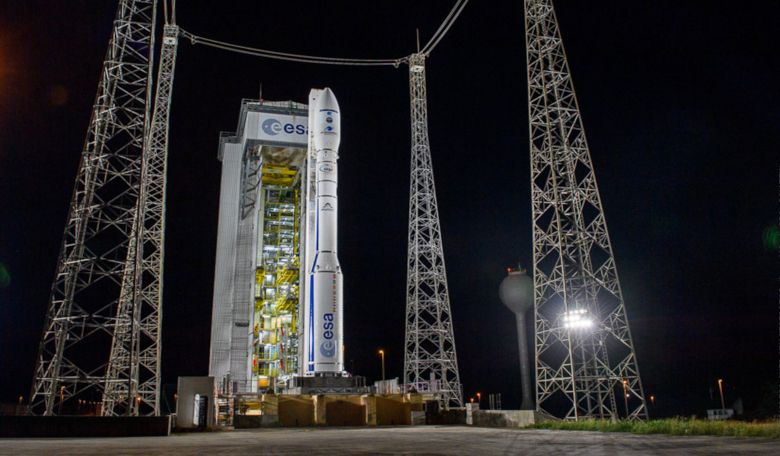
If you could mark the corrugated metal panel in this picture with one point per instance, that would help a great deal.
(222, 312)
(243, 306)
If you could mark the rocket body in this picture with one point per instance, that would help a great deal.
(326, 281)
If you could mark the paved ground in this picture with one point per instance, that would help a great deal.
(423, 440)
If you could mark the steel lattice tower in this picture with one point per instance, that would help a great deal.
(96, 334)
(133, 376)
(584, 353)
(430, 362)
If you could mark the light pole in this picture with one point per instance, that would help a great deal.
(382, 352)
(479, 399)
(722, 402)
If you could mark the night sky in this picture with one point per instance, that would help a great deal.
(680, 105)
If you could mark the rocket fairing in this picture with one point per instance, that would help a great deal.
(326, 281)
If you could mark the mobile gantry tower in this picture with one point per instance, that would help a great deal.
(584, 353)
(255, 335)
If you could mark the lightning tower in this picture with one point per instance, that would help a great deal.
(133, 375)
(430, 363)
(102, 329)
(584, 354)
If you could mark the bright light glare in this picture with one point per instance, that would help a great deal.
(576, 319)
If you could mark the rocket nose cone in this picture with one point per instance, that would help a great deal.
(327, 100)
(327, 123)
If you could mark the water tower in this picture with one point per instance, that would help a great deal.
(517, 293)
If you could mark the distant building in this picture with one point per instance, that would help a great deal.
(720, 414)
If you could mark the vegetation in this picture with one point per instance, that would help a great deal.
(677, 426)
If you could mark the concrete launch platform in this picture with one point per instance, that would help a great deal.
(428, 440)
(285, 410)
(327, 385)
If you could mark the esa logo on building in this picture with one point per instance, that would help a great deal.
(273, 127)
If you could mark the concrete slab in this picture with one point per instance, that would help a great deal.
(84, 426)
(506, 418)
(429, 440)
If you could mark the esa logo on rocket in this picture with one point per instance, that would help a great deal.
(273, 127)
(328, 347)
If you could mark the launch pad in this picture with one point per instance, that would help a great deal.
(278, 287)
(277, 323)
(326, 385)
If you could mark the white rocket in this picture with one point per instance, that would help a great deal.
(326, 282)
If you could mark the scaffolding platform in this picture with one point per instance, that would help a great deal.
(326, 385)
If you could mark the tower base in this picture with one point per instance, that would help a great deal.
(326, 385)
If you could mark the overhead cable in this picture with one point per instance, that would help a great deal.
(291, 57)
(444, 27)
(435, 39)
(172, 20)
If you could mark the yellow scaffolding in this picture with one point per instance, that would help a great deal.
(276, 279)
(277, 175)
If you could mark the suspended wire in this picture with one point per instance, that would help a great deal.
(444, 27)
(290, 57)
(173, 12)
(441, 27)
(435, 39)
